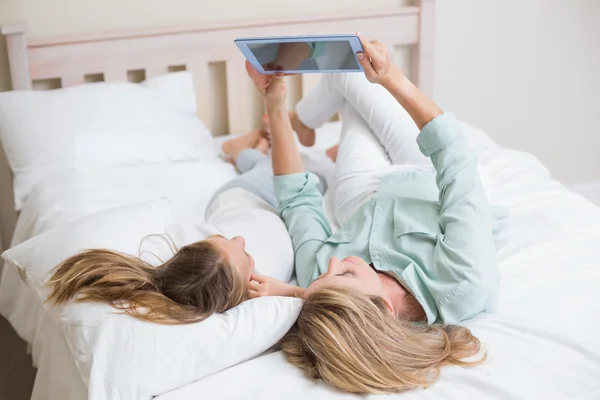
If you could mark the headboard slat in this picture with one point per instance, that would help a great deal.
(156, 70)
(18, 61)
(199, 70)
(424, 56)
(239, 96)
(72, 80)
(115, 74)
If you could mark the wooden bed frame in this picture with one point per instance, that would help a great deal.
(209, 53)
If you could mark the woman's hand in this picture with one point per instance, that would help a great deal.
(261, 286)
(271, 87)
(379, 69)
(375, 60)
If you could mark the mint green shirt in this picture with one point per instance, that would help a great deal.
(431, 230)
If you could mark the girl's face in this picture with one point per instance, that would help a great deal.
(352, 272)
(235, 249)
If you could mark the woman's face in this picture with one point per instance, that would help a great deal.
(235, 248)
(352, 272)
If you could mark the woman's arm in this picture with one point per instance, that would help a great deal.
(378, 69)
(466, 247)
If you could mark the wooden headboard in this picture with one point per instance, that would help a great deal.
(226, 100)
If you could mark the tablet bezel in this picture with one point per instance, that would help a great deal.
(354, 41)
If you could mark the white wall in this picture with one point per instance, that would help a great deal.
(527, 71)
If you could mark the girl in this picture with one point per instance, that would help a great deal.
(201, 278)
(415, 252)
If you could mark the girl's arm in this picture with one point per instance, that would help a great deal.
(284, 151)
(285, 155)
(264, 286)
(300, 202)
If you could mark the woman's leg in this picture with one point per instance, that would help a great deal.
(392, 125)
(389, 121)
(319, 105)
(361, 160)
(367, 110)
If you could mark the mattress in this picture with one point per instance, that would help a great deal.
(541, 339)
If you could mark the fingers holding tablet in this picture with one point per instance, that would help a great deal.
(375, 61)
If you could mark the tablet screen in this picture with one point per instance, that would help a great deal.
(305, 56)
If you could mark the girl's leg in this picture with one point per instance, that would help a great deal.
(249, 140)
(256, 177)
(248, 159)
(392, 125)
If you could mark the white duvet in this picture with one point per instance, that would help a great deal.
(542, 339)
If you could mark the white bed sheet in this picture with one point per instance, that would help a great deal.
(542, 339)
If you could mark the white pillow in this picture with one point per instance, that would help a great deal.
(100, 124)
(120, 357)
(176, 89)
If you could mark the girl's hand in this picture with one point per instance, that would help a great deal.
(261, 286)
(375, 60)
(271, 87)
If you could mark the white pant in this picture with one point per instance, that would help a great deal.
(378, 136)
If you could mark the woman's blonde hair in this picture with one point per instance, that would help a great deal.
(192, 285)
(352, 342)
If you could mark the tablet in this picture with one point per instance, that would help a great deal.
(302, 54)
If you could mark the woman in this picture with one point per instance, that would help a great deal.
(201, 278)
(415, 251)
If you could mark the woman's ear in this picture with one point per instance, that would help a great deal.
(388, 305)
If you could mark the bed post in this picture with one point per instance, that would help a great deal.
(424, 56)
(18, 62)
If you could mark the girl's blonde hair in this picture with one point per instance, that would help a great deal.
(352, 342)
(195, 283)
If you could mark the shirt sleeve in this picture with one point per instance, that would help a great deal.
(466, 245)
(301, 208)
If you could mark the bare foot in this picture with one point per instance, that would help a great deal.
(263, 145)
(306, 135)
(332, 152)
(247, 141)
